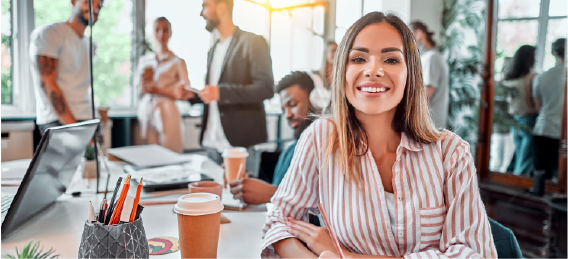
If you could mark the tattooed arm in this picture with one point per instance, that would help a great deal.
(48, 74)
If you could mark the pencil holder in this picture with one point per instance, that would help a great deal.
(126, 240)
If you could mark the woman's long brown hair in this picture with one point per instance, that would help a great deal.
(348, 139)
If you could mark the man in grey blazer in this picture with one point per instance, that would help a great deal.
(239, 78)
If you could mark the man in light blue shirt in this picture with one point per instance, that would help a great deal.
(548, 95)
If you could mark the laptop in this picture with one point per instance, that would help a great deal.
(52, 167)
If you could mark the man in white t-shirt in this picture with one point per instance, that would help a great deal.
(239, 78)
(435, 74)
(60, 68)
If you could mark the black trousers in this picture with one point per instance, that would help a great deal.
(546, 155)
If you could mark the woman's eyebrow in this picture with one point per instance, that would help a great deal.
(385, 50)
(366, 50)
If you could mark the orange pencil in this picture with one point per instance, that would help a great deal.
(118, 209)
(136, 199)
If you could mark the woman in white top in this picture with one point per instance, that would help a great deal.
(320, 97)
(161, 79)
(520, 78)
(391, 184)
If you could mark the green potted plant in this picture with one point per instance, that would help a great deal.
(32, 251)
(89, 165)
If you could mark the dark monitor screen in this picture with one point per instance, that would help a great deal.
(54, 163)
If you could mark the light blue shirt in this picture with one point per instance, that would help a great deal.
(549, 87)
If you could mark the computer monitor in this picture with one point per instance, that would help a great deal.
(54, 163)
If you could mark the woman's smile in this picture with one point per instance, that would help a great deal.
(370, 89)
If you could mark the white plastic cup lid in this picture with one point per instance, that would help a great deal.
(236, 152)
(198, 204)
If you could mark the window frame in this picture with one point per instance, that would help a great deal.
(23, 95)
(543, 19)
(485, 126)
(23, 98)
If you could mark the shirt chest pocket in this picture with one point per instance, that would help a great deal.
(431, 223)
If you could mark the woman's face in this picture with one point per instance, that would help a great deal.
(376, 70)
(330, 55)
(162, 32)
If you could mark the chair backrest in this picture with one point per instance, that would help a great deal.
(505, 241)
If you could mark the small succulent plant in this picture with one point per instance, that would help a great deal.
(32, 251)
(90, 153)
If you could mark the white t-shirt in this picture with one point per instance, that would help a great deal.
(61, 42)
(549, 88)
(435, 73)
(214, 136)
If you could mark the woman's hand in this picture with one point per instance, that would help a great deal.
(149, 87)
(317, 239)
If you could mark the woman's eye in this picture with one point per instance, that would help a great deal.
(392, 61)
(357, 60)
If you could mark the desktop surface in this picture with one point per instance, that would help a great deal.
(61, 225)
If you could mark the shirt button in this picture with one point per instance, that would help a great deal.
(400, 234)
(399, 198)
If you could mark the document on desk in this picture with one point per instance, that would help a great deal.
(170, 173)
(148, 155)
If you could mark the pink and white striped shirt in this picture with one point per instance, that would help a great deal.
(438, 209)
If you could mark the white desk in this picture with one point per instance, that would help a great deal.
(61, 226)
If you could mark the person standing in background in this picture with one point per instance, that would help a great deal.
(520, 78)
(435, 73)
(321, 97)
(548, 95)
(60, 68)
(239, 78)
(161, 78)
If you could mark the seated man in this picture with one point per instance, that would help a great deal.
(294, 90)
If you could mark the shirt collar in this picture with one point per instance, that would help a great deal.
(409, 143)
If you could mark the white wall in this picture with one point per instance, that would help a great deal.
(430, 13)
(400, 7)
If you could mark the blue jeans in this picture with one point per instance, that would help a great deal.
(524, 145)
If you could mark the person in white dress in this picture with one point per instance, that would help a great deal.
(161, 79)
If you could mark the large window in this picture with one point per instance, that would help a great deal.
(6, 62)
(532, 22)
(295, 35)
(349, 11)
(297, 40)
(112, 41)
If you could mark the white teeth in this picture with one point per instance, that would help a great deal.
(373, 89)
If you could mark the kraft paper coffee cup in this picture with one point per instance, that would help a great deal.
(234, 158)
(199, 220)
(206, 186)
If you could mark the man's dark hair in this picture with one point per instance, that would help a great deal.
(296, 78)
(559, 48)
(418, 25)
(229, 4)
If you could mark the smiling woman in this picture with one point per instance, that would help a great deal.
(392, 184)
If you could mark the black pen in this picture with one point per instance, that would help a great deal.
(102, 211)
(110, 205)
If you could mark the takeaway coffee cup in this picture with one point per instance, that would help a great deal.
(199, 220)
(206, 186)
(234, 159)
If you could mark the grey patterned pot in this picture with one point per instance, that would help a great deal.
(126, 240)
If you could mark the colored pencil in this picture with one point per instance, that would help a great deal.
(136, 200)
(120, 202)
(331, 233)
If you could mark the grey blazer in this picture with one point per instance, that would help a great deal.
(246, 81)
